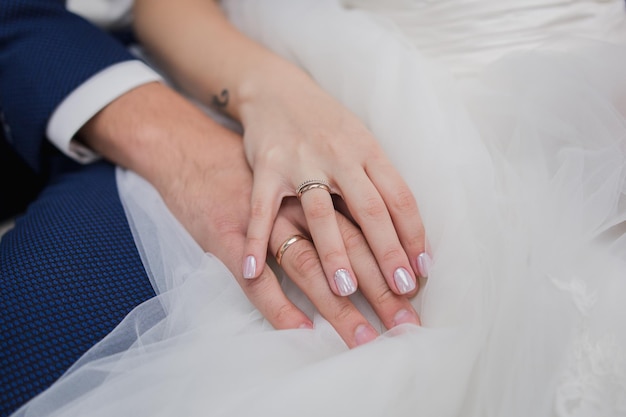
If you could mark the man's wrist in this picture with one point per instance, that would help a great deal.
(153, 131)
(88, 99)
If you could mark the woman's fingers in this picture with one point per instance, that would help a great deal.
(391, 308)
(264, 206)
(266, 294)
(372, 215)
(404, 212)
(319, 211)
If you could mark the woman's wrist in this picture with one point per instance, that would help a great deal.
(276, 83)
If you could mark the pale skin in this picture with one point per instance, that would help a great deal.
(293, 131)
(200, 170)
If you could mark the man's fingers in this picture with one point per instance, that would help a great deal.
(267, 295)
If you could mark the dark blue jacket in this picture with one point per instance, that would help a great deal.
(45, 53)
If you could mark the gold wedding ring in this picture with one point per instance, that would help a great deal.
(310, 185)
(293, 239)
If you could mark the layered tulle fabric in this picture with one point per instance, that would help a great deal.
(517, 157)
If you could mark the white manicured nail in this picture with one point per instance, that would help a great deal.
(345, 284)
(249, 267)
(404, 281)
(424, 261)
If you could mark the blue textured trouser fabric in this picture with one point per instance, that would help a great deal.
(69, 273)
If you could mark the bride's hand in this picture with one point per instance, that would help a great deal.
(294, 133)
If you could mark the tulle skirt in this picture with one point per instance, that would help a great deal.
(517, 156)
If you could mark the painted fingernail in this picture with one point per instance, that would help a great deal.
(424, 262)
(249, 267)
(404, 281)
(404, 316)
(345, 284)
(364, 334)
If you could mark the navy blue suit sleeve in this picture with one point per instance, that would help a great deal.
(45, 53)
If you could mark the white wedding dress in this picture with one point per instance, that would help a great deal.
(507, 119)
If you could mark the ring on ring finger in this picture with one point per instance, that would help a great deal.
(311, 185)
(285, 245)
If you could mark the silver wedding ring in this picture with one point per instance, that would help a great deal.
(311, 185)
(293, 239)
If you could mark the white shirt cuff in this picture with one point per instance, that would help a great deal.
(88, 99)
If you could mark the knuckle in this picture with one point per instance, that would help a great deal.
(305, 260)
(353, 239)
(258, 209)
(374, 207)
(415, 243)
(383, 295)
(268, 157)
(318, 209)
(343, 312)
(281, 315)
(255, 289)
(254, 241)
(391, 254)
(404, 201)
(332, 256)
(377, 157)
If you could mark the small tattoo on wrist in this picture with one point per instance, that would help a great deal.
(221, 101)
